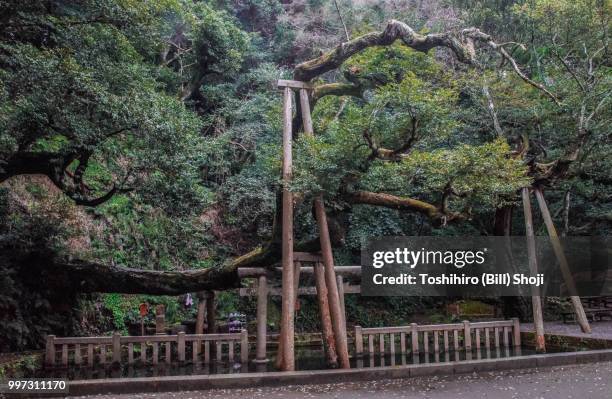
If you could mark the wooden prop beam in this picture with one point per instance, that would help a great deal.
(288, 306)
(581, 317)
(296, 286)
(327, 332)
(538, 320)
(338, 326)
(341, 296)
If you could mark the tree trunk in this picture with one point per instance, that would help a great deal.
(502, 226)
(503, 221)
(199, 326)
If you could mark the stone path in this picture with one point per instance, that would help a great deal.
(588, 381)
(601, 329)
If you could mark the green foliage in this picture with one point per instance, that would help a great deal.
(419, 102)
(111, 104)
(115, 304)
(483, 173)
(142, 236)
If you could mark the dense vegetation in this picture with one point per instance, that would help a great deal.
(147, 135)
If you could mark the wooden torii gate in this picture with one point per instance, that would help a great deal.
(328, 281)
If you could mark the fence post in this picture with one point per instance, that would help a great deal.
(467, 335)
(262, 318)
(414, 334)
(181, 346)
(50, 351)
(117, 347)
(516, 330)
(358, 341)
(244, 347)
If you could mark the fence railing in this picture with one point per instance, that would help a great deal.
(437, 338)
(151, 349)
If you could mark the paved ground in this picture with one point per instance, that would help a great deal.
(589, 381)
(601, 329)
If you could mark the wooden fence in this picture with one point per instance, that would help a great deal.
(436, 338)
(146, 349)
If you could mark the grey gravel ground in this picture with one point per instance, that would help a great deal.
(601, 329)
(588, 381)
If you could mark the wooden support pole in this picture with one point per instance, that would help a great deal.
(538, 320)
(338, 326)
(327, 333)
(288, 305)
(262, 317)
(341, 296)
(211, 317)
(199, 326)
(296, 280)
(296, 285)
(581, 317)
(332, 287)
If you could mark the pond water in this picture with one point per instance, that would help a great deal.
(307, 358)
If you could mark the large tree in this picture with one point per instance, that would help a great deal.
(383, 148)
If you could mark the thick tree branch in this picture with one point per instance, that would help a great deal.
(462, 46)
(88, 276)
(95, 277)
(33, 163)
(337, 89)
(520, 73)
(406, 204)
(394, 30)
(53, 165)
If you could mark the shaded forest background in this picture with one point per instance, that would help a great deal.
(147, 135)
